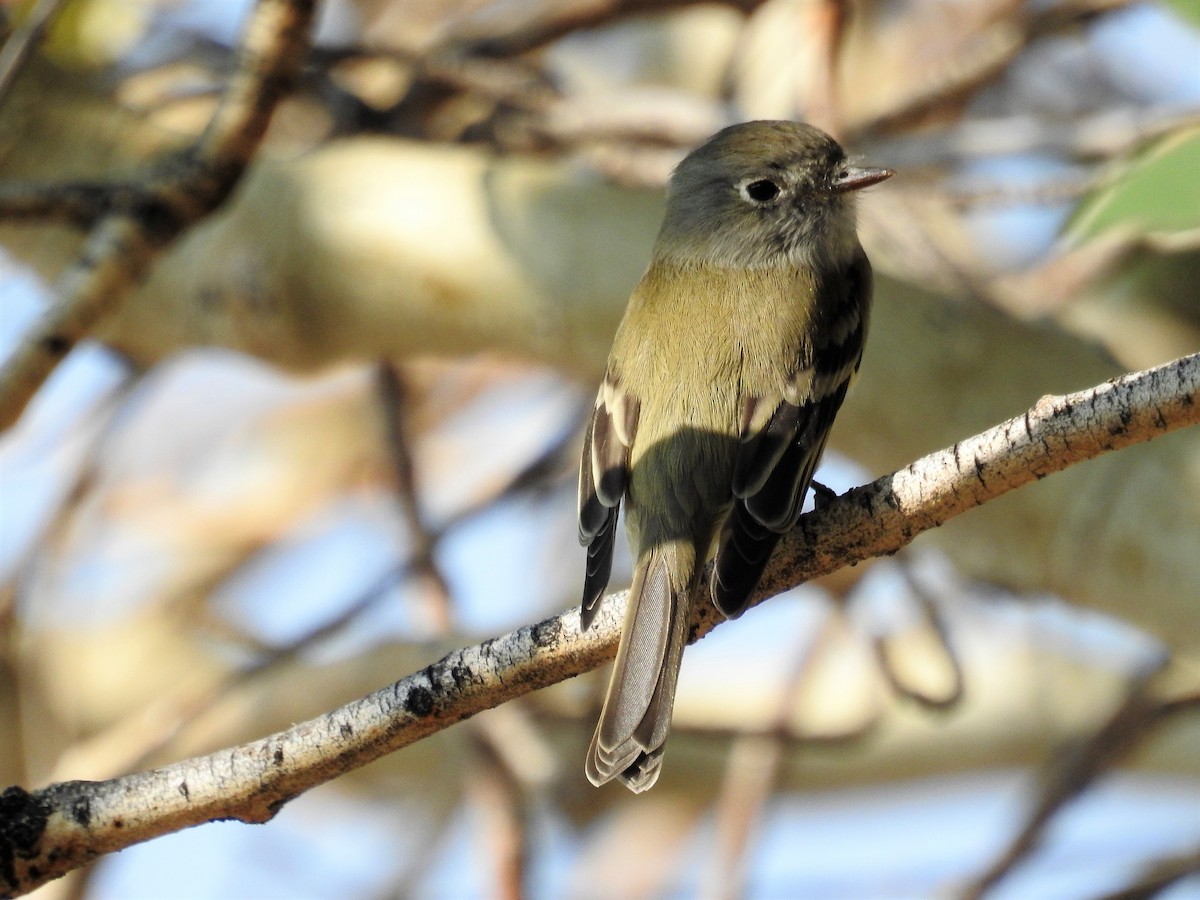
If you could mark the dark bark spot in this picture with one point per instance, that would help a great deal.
(159, 220)
(547, 633)
(81, 811)
(419, 702)
(979, 467)
(277, 756)
(55, 345)
(346, 730)
(462, 676)
(23, 818)
(1120, 428)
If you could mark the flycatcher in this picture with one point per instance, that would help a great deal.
(732, 359)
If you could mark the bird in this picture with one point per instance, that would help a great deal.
(729, 365)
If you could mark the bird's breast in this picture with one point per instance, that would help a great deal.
(694, 342)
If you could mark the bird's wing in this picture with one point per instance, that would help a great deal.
(603, 476)
(783, 435)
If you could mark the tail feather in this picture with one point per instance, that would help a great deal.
(635, 721)
(742, 556)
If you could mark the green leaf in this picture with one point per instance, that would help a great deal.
(1188, 10)
(1159, 192)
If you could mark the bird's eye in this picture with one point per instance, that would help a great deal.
(762, 191)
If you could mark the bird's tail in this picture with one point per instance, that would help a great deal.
(629, 739)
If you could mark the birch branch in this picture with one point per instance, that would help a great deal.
(49, 832)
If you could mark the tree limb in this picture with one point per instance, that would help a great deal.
(536, 25)
(123, 243)
(23, 39)
(49, 832)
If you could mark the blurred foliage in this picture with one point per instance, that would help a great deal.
(91, 34)
(1158, 193)
(1188, 9)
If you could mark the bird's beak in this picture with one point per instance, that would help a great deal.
(853, 178)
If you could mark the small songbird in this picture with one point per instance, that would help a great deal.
(726, 372)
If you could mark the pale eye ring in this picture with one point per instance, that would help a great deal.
(761, 190)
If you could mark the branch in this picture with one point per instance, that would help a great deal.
(81, 204)
(125, 240)
(47, 833)
(23, 39)
(1081, 763)
(536, 25)
(993, 50)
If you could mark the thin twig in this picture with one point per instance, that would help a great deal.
(424, 540)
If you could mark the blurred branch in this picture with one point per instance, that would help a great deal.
(919, 661)
(22, 40)
(992, 51)
(496, 790)
(1059, 281)
(1082, 763)
(829, 18)
(499, 797)
(47, 833)
(548, 22)
(82, 204)
(751, 776)
(424, 541)
(1101, 135)
(127, 746)
(187, 187)
(1159, 877)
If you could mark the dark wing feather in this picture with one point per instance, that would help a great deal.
(603, 476)
(782, 445)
